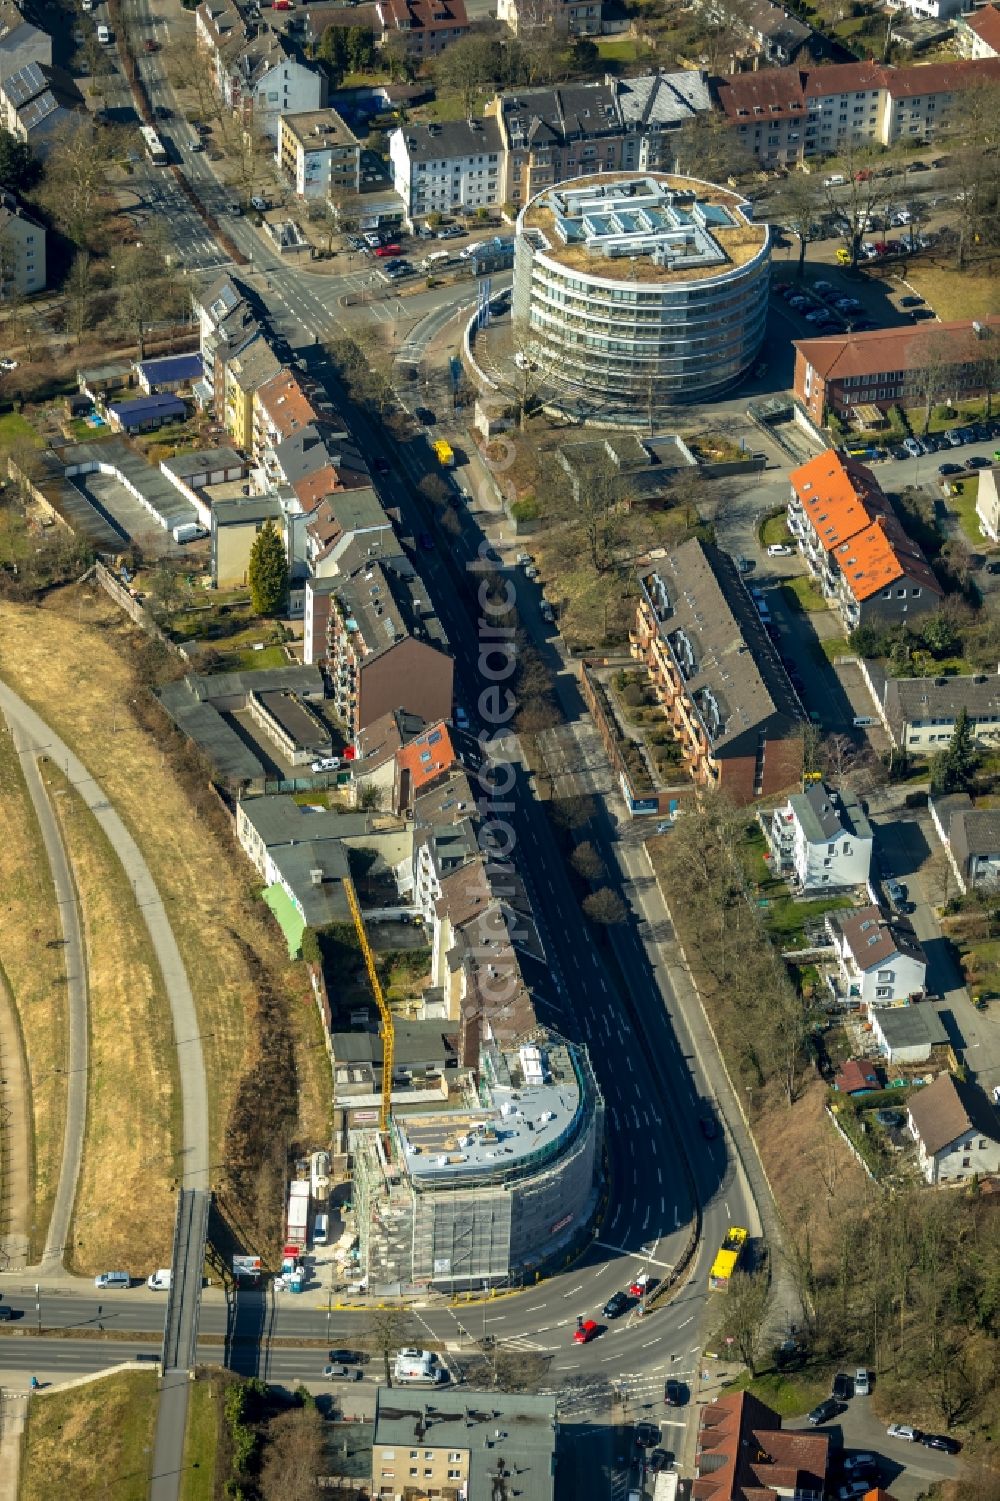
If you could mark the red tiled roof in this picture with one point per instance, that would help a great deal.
(986, 25)
(882, 555)
(314, 487)
(774, 92)
(427, 757)
(845, 78)
(837, 356)
(854, 1075)
(941, 78)
(423, 15)
(743, 1455)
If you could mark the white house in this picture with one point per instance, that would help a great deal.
(438, 168)
(956, 1129)
(978, 35)
(971, 839)
(881, 962)
(820, 838)
(257, 71)
(907, 1034)
(920, 713)
(988, 501)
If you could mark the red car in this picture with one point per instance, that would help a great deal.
(640, 1287)
(585, 1333)
(383, 250)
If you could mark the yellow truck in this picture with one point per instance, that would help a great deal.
(444, 453)
(727, 1259)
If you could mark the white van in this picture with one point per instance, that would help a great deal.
(436, 258)
(107, 1280)
(321, 1226)
(103, 34)
(159, 1282)
(419, 1367)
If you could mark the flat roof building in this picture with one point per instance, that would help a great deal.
(296, 730)
(634, 291)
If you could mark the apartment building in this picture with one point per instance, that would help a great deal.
(854, 546)
(560, 17)
(254, 363)
(783, 116)
(820, 838)
(319, 154)
(920, 713)
(258, 72)
(716, 675)
(454, 1451)
(840, 372)
(880, 960)
(22, 250)
(338, 522)
(743, 1453)
(988, 503)
(978, 34)
(385, 647)
(423, 27)
(454, 166)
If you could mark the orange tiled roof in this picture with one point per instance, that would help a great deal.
(314, 487)
(986, 24)
(751, 1458)
(839, 497)
(881, 555)
(427, 757)
(286, 403)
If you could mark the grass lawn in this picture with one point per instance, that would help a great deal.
(774, 529)
(963, 506)
(784, 916)
(802, 594)
(201, 1439)
(621, 49)
(790, 1394)
(17, 429)
(271, 656)
(31, 955)
(124, 1211)
(834, 647)
(448, 106)
(91, 1442)
(74, 659)
(953, 294)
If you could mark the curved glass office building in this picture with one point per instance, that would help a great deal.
(632, 292)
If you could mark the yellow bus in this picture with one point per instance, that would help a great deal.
(727, 1259)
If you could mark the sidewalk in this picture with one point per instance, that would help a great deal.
(15, 1139)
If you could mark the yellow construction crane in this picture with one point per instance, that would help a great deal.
(385, 1015)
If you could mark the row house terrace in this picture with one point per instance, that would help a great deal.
(716, 675)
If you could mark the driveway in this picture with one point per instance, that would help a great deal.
(906, 842)
(908, 1470)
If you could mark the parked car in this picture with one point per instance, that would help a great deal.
(913, 448)
(843, 1387)
(337, 1372)
(585, 1332)
(673, 1393)
(942, 1441)
(615, 1306)
(904, 1431)
(424, 415)
(326, 763)
(707, 1127)
(853, 1463)
(945, 469)
(896, 892)
(913, 301)
(779, 550)
(977, 461)
(852, 1490)
(259, 203)
(824, 1412)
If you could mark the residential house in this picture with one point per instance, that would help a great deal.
(142, 414)
(234, 528)
(374, 764)
(920, 713)
(774, 35)
(988, 501)
(934, 10)
(423, 28)
(652, 108)
(39, 105)
(22, 250)
(282, 405)
(319, 154)
(956, 1129)
(258, 73)
(838, 373)
(857, 1076)
(716, 674)
(971, 839)
(287, 720)
(455, 165)
(21, 42)
(230, 321)
(554, 133)
(978, 34)
(855, 547)
(456, 1452)
(529, 18)
(420, 763)
(907, 1034)
(820, 838)
(880, 959)
(385, 647)
(743, 1454)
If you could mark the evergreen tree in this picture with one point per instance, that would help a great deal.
(952, 770)
(268, 571)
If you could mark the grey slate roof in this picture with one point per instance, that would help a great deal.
(974, 832)
(247, 511)
(413, 1042)
(944, 1110)
(281, 820)
(909, 1026)
(734, 664)
(452, 138)
(466, 1420)
(823, 814)
(539, 117)
(324, 901)
(387, 600)
(909, 699)
(662, 99)
(231, 760)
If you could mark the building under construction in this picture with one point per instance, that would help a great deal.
(487, 1188)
